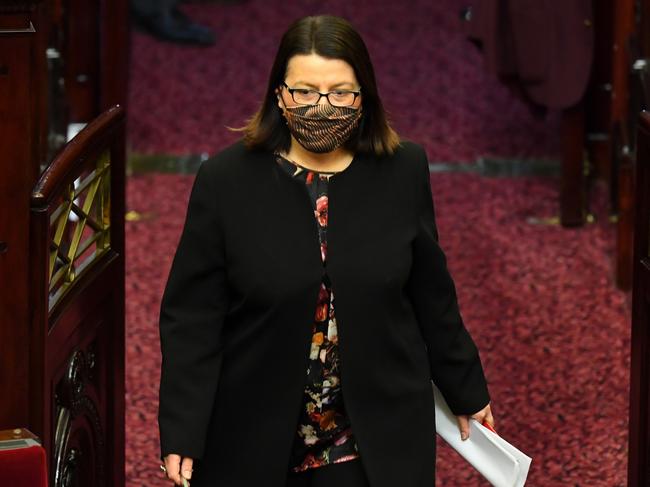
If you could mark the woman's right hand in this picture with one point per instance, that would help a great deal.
(176, 470)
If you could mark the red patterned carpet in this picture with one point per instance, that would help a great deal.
(540, 302)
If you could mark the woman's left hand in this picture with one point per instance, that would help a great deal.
(484, 414)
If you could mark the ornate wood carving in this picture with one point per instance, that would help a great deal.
(79, 443)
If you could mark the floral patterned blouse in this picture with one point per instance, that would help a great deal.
(324, 433)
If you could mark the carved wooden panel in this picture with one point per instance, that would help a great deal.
(79, 456)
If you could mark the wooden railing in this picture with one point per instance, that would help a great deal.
(77, 296)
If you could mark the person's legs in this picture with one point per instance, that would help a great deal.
(344, 474)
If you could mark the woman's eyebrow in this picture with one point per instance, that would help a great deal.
(337, 85)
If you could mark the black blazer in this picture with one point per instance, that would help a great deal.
(235, 319)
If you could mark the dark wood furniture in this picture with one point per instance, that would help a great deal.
(604, 124)
(639, 424)
(61, 322)
(573, 176)
(19, 121)
(584, 127)
(627, 101)
(590, 130)
(77, 297)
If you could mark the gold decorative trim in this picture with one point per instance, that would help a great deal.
(80, 228)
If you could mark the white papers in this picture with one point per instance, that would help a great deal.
(498, 461)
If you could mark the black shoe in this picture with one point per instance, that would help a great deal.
(176, 27)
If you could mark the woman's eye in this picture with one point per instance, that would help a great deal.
(304, 92)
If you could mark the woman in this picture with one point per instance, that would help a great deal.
(309, 305)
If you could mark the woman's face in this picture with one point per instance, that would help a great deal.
(315, 72)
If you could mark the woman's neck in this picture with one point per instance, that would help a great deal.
(334, 161)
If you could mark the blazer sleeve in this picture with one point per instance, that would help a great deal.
(453, 356)
(192, 314)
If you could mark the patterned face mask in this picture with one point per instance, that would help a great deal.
(321, 128)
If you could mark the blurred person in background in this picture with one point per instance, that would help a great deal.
(164, 20)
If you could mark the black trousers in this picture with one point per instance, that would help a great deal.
(344, 474)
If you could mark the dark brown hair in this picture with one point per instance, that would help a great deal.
(334, 38)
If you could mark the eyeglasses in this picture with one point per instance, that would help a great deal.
(337, 98)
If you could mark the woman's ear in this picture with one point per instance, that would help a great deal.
(280, 100)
